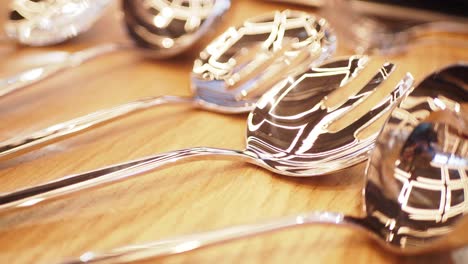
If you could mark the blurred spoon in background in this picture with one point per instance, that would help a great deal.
(158, 28)
(49, 22)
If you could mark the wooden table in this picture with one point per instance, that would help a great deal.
(186, 198)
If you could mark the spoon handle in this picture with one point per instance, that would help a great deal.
(186, 243)
(23, 79)
(24, 143)
(71, 184)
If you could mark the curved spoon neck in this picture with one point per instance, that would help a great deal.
(168, 99)
(200, 153)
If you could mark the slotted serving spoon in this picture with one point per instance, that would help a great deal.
(228, 77)
(311, 123)
(415, 195)
(49, 22)
(158, 29)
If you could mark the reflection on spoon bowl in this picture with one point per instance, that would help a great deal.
(418, 175)
(167, 28)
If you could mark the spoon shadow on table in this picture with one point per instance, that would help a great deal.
(111, 132)
(120, 200)
(57, 209)
(339, 180)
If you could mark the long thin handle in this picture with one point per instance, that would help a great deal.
(24, 143)
(187, 243)
(74, 183)
(23, 79)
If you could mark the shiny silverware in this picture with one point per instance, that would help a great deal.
(315, 122)
(415, 195)
(158, 29)
(46, 22)
(228, 77)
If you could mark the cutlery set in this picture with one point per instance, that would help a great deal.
(310, 114)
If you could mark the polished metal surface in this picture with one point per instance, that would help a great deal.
(303, 126)
(48, 22)
(416, 190)
(419, 190)
(149, 36)
(229, 76)
(166, 28)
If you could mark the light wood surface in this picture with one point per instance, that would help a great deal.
(192, 197)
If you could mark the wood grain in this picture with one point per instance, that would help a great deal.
(186, 198)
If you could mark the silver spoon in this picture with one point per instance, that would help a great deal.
(47, 22)
(312, 123)
(417, 181)
(229, 75)
(153, 39)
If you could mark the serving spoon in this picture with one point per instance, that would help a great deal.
(228, 77)
(415, 193)
(158, 28)
(312, 123)
(47, 22)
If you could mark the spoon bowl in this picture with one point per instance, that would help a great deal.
(282, 130)
(424, 174)
(168, 28)
(415, 193)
